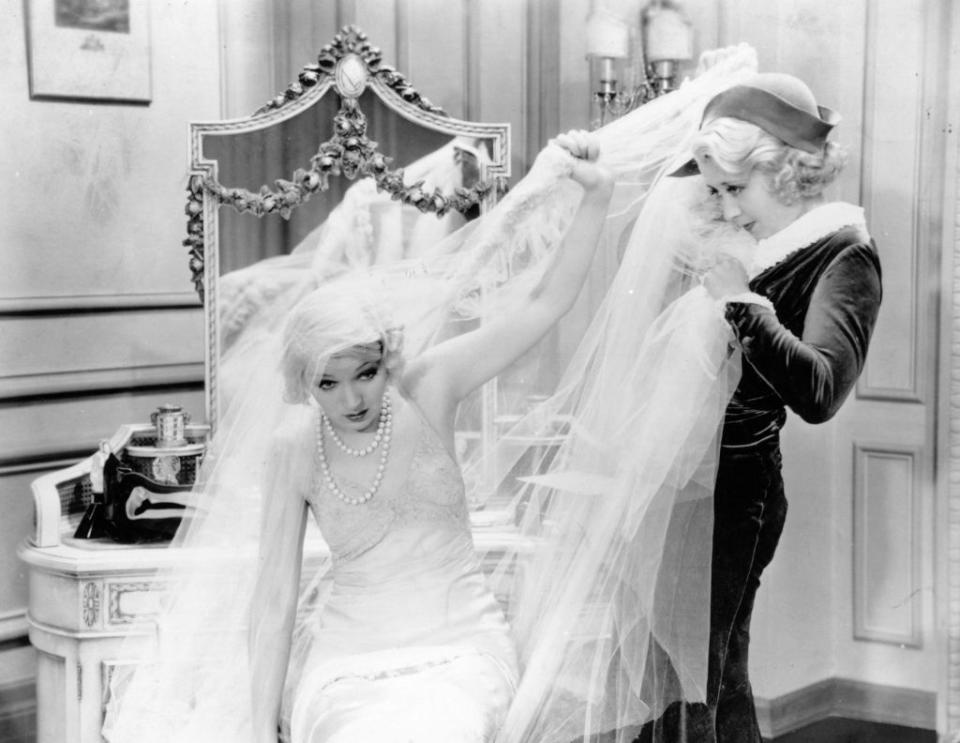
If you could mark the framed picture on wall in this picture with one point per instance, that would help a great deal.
(89, 49)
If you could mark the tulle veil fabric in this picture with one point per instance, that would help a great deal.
(594, 504)
(360, 232)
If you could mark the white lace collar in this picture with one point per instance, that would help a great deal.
(804, 232)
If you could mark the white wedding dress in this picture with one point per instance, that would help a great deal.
(408, 642)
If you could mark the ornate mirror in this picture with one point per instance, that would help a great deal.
(351, 129)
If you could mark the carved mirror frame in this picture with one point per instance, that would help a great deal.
(346, 67)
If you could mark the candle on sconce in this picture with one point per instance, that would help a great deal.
(607, 72)
(608, 36)
(608, 39)
(637, 53)
(668, 34)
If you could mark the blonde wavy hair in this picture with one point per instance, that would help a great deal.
(738, 147)
(339, 316)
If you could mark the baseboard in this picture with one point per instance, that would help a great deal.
(834, 697)
(18, 712)
(856, 700)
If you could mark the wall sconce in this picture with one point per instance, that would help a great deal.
(637, 54)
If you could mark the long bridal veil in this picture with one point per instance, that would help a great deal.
(593, 503)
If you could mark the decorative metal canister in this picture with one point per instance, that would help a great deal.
(172, 459)
(171, 422)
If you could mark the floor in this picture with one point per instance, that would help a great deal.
(839, 730)
(22, 729)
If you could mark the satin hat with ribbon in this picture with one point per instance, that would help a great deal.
(780, 104)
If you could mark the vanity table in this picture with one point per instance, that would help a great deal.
(89, 598)
(92, 601)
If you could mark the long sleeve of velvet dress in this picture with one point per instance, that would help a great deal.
(807, 352)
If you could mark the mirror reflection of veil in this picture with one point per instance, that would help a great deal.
(367, 228)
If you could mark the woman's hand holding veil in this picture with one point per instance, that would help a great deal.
(727, 278)
(585, 149)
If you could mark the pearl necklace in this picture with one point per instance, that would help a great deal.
(384, 432)
(386, 415)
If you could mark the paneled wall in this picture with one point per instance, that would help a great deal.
(99, 323)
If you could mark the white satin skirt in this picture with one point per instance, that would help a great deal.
(409, 646)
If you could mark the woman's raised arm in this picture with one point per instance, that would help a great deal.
(454, 368)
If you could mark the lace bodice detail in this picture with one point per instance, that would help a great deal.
(432, 492)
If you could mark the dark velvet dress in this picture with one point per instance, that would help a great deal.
(804, 341)
(805, 356)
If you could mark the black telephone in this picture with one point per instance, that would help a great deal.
(133, 507)
(146, 485)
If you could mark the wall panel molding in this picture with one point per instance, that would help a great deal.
(894, 134)
(82, 381)
(887, 559)
(98, 302)
(52, 461)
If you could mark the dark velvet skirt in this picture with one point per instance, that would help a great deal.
(749, 513)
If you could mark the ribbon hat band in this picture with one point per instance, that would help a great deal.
(795, 126)
(803, 128)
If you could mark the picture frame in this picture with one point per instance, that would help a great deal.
(89, 50)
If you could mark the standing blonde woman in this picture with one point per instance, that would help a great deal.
(802, 309)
